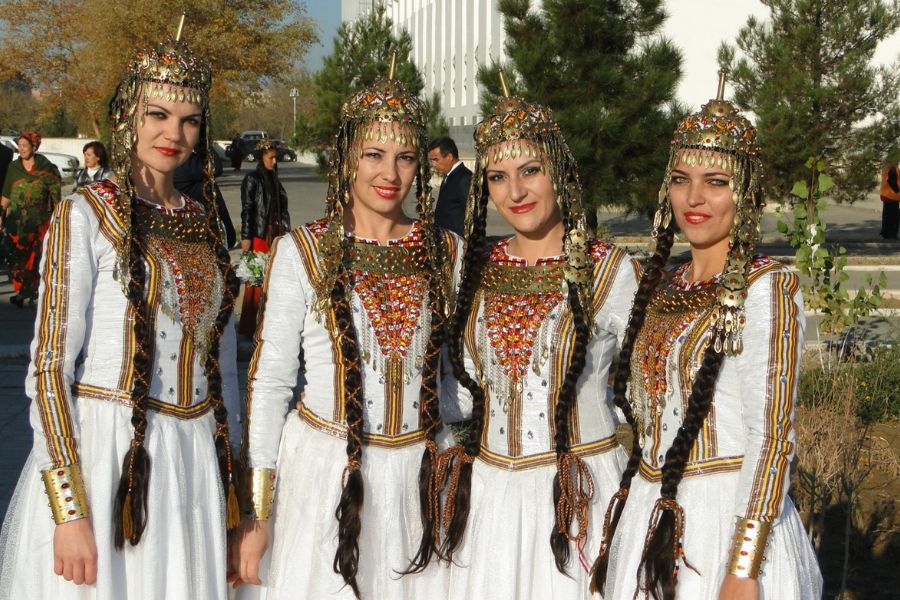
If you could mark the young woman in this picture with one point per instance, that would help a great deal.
(363, 293)
(30, 193)
(128, 383)
(264, 217)
(707, 377)
(537, 321)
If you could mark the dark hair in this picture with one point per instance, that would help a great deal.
(130, 503)
(349, 509)
(100, 150)
(564, 173)
(445, 144)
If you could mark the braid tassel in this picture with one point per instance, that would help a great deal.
(449, 465)
(664, 509)
(576, 492)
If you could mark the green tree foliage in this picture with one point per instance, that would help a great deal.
(807, 74)
(610, 79)
(18, 108)
(74, 51)
(362, 53)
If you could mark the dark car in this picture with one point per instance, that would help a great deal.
(285, 154)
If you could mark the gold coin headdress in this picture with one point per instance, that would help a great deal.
(170, 71)
(720, 136)
(384, 111)
(518, 128)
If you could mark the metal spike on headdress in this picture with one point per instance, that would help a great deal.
(718, 135)
(180, 28)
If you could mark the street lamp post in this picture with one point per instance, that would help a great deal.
(294, 93)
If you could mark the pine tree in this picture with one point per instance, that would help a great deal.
(807, 74)
(609, 78)
(362, 53)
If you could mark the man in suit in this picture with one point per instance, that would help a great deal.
(450, 212)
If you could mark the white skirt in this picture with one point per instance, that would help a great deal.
(182, 552)
(506, 551)
(790, 571)
(303, 528)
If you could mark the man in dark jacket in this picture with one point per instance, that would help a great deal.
(450, 212)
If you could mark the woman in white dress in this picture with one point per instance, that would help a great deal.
(344, 496)
(538, 319)
(127, 382)
(707, 377)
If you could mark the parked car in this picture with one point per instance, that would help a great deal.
(254, 135)
(248, 146)
(285, 154)
(66, 163)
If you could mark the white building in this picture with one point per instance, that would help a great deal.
(450, 39)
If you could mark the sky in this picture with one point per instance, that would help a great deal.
(693, 26)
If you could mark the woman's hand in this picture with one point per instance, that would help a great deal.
(250, 543)
(75, 552)
(245, 245)
(739, 588)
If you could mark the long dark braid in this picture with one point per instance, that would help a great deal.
(621, 375)
(130, 504)
(349, 509)
(658, 561)
(429, 399)
(473, 264)
(564, 486)
(212, 368)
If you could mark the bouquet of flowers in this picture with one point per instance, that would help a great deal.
(251, 267)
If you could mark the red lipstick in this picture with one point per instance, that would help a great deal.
(166, 151)
(695, 218)
(387, 192)
(520, 209)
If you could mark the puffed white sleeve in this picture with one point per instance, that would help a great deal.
(68, 270)
(275, 362)
(769, 369)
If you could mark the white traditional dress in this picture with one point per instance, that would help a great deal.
(306, 441)
(80, 384)
(740, 465)
(518, 342)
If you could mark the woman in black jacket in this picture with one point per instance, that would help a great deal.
(264, 216)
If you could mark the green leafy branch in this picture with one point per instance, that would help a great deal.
(824, 266)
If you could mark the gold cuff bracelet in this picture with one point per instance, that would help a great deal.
(748, 548)
(65, 489)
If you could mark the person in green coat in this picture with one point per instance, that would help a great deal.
(31, 191)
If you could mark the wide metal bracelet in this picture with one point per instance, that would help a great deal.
(65, 489)
(748, 548)
(262, 492)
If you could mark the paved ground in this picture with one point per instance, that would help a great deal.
(855, 227)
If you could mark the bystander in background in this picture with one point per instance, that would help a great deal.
(890, 198)
(96, 166)
(450, 212)
(264, 216)
(31, 190)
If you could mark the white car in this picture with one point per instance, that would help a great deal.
(66, 163)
